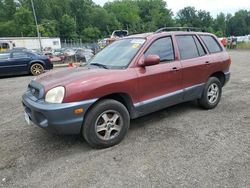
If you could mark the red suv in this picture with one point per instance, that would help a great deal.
(133, 76)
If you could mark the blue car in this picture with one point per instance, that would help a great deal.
(23, 62)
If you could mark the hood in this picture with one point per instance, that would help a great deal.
(65, 76)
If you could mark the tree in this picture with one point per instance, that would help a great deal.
(90, 34)
(49, 28)
(239, 24)
(67, 27)
(81, 12)
(9, 7)
(126, 12)
(205, 20)
(154, 15)
(187, 17)
(103, 20)
(24, 22)
(6, 29)
(220, 24)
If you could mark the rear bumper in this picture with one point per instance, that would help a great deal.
(49, 66)
(227, 77)
(56, 118)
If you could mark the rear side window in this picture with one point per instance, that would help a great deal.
(211, 43)
(187, 46)
(19, 55)
(162, 47)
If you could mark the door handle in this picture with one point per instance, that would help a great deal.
(207, 63)
(175, 69)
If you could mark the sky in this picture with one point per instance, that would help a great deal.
(213, 6)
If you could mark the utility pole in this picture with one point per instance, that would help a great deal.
(37, 29)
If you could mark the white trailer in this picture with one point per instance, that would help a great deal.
(32, 42)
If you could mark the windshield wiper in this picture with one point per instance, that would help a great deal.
(100, 65)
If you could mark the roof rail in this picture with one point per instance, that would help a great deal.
(178, 29)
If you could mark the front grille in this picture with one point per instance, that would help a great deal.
(36, 90)
(33, 91)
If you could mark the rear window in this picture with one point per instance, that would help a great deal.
(211, 43)
(187, 46)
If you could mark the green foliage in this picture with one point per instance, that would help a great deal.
(49, 28)
(243, 45)
(126, 12)
(6, 29)
(90, 34)
(24, 22)
(9, 9)
(239, 24)
(190, 17)
(71, 19)
(67, 27)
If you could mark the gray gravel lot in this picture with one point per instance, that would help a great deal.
(181, 146)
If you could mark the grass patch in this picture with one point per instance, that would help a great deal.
(243, 45)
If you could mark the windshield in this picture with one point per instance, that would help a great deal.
(118, 54)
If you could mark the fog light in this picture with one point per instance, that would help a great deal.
(78, 110)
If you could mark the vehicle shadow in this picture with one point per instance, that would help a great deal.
(158, 116)
(65, 142)
(15, 76)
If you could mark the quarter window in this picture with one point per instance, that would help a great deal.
(162, 47)
(211, 43)
(199, 46)
(187, 46)
(4, 56)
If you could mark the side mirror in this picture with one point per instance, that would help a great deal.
(151, 60)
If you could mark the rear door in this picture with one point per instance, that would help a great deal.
(20, 61)
(159, 85)
(218, 59)
(193, 61)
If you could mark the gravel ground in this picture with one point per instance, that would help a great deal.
(181, 146)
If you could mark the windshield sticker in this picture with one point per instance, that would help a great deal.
(137, 41)
(136, 45)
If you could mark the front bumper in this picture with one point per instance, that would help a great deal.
(56, 118)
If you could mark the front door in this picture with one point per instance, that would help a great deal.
(5, 65)
(159, 85)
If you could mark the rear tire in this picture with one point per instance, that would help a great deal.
(211, 94)
(106, 124)
(36, 69)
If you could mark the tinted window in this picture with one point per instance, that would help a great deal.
(19, 55)
(4, 56)
(199, 46)
(163, 48)
(211, 43)
(187, 46)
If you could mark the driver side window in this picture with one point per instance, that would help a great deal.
(162, 47)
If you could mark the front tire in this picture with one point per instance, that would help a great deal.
(211, 94)
(106, 124)
(36, 69)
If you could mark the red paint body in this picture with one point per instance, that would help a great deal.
(138, 82)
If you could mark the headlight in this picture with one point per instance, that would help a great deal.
(55, 95)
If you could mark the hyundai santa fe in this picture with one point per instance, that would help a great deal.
(132, 77)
